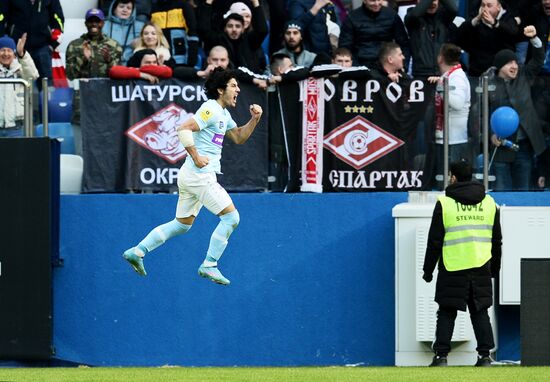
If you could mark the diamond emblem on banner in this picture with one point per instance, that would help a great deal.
(157, 133)
(359, 142)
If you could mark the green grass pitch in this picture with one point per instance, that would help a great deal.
(278, 374)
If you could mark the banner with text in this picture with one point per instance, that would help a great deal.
(130, 141)
(369, 133)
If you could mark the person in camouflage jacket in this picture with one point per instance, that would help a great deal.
(93, 54)
(90, 56)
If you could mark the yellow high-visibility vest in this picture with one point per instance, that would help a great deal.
(468, 233)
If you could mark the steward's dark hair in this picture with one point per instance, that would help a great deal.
(462, 170)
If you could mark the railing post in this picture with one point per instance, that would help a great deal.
(485, 128)
(445, 132)
(45, 97)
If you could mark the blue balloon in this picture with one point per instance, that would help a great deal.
(504, 121)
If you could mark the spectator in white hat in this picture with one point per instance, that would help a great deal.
(15, 62)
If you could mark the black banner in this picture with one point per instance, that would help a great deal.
(130, 142)
(374, 135)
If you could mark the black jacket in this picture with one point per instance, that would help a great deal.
(483, 42)
(364, 32)
(37, 20)
(427, 33)
(517, 94)
(453, 288)
(534, 15)
(247, 50)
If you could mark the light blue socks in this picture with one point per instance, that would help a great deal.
(218, 240)
(160, 234)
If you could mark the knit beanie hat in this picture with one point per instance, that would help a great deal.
(292, 24)
(503, 57)
(7, 42)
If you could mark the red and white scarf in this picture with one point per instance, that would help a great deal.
(313, 117)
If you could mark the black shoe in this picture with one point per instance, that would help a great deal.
(484, 361)
(439, 360)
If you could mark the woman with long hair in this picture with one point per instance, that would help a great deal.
(151, 37)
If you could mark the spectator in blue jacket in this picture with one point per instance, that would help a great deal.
(143, 8)
(122, 26)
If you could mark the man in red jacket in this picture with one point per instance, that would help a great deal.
(142, 65)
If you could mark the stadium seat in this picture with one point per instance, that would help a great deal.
(201, 58)
(61, 130)
(70, 174)
(60, 104)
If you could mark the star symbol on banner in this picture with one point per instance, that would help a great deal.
(356, 109)
(362, 109)
(370, 109)
(347, 109)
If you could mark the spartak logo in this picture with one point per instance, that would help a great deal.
(312, 109)
(359, 142)
(157, 133)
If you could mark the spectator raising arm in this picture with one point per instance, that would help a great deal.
(312, 14)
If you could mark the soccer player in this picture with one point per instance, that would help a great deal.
(202, 136)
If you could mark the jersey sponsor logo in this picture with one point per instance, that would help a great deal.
(205, 115)
(157, 133)
(359, 142)
(217, 139)
(220, 126)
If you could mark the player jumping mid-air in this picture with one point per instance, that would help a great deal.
(202, 136)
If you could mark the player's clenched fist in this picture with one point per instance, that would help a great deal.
(256, 111)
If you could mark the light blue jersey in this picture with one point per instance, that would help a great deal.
(213, 122)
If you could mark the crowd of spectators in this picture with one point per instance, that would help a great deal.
(274, 41)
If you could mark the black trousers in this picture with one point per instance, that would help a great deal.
(481, 323)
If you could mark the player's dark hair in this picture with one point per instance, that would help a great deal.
(218, 79)
(450, 53)
(462, 170)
